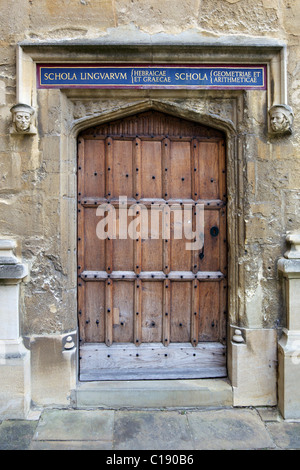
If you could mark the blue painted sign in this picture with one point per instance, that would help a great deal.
(151, 76)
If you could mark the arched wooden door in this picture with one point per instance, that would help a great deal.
(148, 307)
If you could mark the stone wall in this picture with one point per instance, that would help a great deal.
(32, 178)
(272, 170)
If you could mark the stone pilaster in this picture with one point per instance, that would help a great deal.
(15, 394)
(289, 343)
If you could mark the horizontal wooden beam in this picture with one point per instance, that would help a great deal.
(149, 360)
(153, 203)
(153, 275)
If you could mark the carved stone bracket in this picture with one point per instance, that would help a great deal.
(281, 119)
(238, 337)
(294, 250)
(69, 341)
(22, 120)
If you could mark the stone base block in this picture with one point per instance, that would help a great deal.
(289, 374)
(15, 396)
(253, 368)
(53, 369)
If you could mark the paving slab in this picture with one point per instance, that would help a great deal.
(228, 430)
(16, 434)
(165, 430)
(70, 445)
(75, 425)
(285, 435)
(152, 430)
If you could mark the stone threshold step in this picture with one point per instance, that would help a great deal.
(192, 393)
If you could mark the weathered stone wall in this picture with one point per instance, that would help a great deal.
(30, 176)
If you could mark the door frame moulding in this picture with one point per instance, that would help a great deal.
(190, 111)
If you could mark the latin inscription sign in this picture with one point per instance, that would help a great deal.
(151, 76)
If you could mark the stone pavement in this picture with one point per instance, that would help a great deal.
(164, 430)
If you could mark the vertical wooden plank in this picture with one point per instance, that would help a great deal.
(137, 337)
(94, 318)
(166, 245)
(123, 306)
(123, 248)
(211, 260)
(137, 244)
(152, 305)
(181, 258)
(94, 168)
(209, 170)
(151, 177)
(122, 168)
(180, 170)
(80, 241)
(165, 167)
(138, 292)
(166, 313)
(94, 257)
(137, 167)
(137, 248)
(109, 167)
(195, 169)
(109, 255)
(108, 312)
(195, 253)
(209, 311)
(181, 312)
(109, 247)
(195, 313)
(195, 196)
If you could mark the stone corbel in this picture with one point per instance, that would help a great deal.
(281, 118)
(22, 120)
(289, 343)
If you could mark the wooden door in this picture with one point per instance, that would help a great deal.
(148, 307)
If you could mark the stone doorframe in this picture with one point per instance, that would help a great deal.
(241, 115)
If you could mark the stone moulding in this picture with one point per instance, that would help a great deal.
(6, 252)
(11, 270)
(167, 49)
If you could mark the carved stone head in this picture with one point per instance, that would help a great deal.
(281, 118)
(22, 118)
